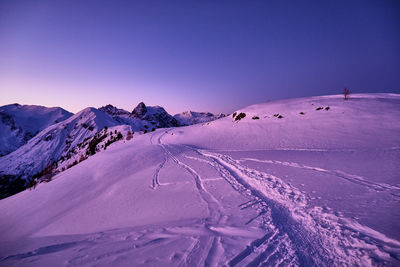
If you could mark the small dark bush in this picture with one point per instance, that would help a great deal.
(276, 115)
(327, 108)
(153, 129)
(93, 143)
(47, 173)
(280, 117)
(82, 158)
(302, 113)
(145, 131)
(319, 108)
(32, 184)
(119, 136)
(90, 128)
(234, 115)
(84, 125)
(256, 118)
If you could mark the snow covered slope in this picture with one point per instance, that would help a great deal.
(192, 117)
(72, 141)
(19, 123)
(268, 186)
(324, 122)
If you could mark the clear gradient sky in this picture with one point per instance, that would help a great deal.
(213, 56)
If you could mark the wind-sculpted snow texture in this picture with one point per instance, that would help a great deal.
(264, 192)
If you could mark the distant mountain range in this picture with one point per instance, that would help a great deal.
(36, 141)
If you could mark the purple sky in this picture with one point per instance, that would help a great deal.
(213, 56)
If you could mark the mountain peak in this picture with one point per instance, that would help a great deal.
(113, 110)
(140, 110)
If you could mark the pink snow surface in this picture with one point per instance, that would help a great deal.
(319, 189)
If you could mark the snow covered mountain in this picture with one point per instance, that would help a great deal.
(66, 144)
(19, 123)
(192, 117)
(142, 118)
(300, 182)
(58, 141)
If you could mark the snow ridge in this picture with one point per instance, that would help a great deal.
(19, 123)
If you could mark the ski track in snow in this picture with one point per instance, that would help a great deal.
(292, 233)
(215, 209)
(312, 231)
(295, 233)
(394, 190)
(329, 239)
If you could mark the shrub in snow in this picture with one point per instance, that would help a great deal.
(32, 184)
(91, 128)
(319, 108)
(256, 118)
(327, 108)
(82, 158)
(72, 164)
(46, 174)
(234, 115)
(302, 113)
(93, 144)
(346, 93)
(153, 129)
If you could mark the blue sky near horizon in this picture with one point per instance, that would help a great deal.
(213, 56)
